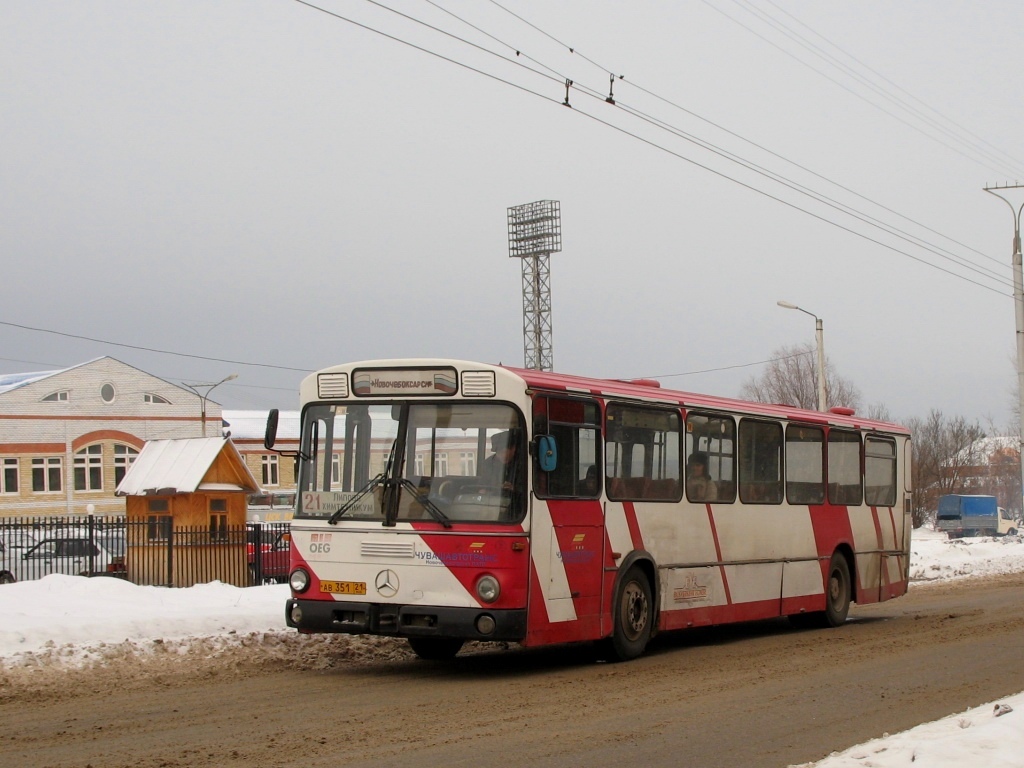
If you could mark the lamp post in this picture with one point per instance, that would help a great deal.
(204, 396)
(819, 335)
(1018, 303)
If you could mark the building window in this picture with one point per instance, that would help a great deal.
(467, 464)
(158, 521)
(270, 476)
(107, 393)
(47, 474)
(335, 468)
(441, 465)
(56, 397)
(89, 468)
(219, 520)
(124, 457)
(149, 397)
(9, 476)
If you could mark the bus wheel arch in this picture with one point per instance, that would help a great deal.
(634, 609)
(839, 581)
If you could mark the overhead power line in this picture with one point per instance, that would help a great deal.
(151, 349)
(818, 197)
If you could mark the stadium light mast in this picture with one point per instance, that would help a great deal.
(534, 233)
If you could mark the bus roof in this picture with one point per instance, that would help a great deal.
(635, 389)
(651, 391)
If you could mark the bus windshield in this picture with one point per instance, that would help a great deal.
(413, 461)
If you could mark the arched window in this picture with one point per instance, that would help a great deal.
(89, 468)
(124, 457)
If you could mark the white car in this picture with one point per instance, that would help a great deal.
(71, 555)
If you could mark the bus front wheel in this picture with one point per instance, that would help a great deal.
(633, 618)
(435, 648)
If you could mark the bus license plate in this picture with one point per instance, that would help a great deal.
(343, 587)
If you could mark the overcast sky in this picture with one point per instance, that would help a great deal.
(278, 189)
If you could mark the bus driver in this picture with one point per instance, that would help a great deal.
(499, 467)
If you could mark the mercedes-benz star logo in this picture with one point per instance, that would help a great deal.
(387, 583)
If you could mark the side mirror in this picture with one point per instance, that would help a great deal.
(547, 453)
(270, 436)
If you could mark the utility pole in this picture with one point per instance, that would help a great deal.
(1018, 303)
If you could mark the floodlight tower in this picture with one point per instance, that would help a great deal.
(534, 233)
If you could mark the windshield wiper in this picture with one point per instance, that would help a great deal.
(344, 508)
(426, 503)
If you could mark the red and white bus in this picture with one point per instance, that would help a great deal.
(444, 501)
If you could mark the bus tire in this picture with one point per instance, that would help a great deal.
(837, 598)
(435, 648)
(633, 618)
(837, 591)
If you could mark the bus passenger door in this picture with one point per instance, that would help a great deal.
(575, 556)
(568, 516)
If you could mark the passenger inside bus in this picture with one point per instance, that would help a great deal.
(699, 487)
(499, 468)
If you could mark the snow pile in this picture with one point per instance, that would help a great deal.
(71, 610)
(991, 735)
(68, 625)
(933, 557)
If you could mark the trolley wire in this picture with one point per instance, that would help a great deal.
(853, 92)
(819, 197)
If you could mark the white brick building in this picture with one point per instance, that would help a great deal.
(67, 437)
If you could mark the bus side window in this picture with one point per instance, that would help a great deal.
(805, 464)
(714, 436)
(760, 462)
(844, 481)
(880, 471)
(643, 453)
(575, 425)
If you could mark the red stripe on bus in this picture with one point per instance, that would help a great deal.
(718, 554)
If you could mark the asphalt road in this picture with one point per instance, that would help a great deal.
(760, 694)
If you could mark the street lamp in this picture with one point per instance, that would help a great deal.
(203, 396)
(819, 335)
(1018, 303)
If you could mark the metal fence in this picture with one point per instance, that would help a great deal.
(143, 552)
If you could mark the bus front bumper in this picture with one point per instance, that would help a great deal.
(405, 620)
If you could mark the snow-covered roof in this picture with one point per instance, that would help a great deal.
(981, 451)
(252, 425)
(9, 381)
(167, 467)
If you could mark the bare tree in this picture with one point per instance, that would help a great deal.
(944, 449)
(792, 378)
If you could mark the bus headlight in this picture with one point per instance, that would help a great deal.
(487, 588)
(299, 580)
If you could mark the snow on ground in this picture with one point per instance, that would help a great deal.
(71, 621)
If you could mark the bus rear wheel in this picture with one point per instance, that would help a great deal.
(633, 617)
(435, 648)
(837, 598)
